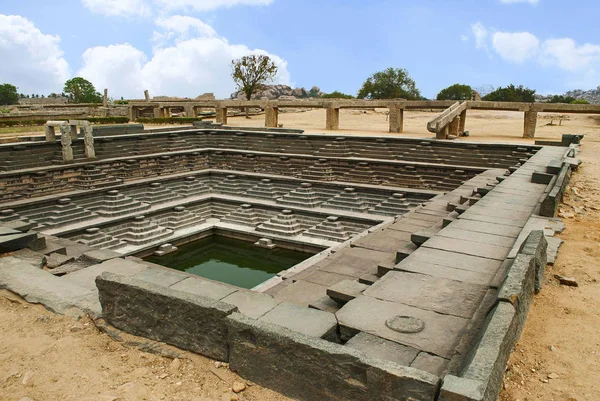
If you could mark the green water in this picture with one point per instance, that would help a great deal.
(230, 261)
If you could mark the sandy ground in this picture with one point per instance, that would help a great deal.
(49, 357)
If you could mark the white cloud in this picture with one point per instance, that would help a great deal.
(31, 60)
(481, 35)
(130, 8)
(515, 47)
(188, 60)
(520, 1)
(125, 8)
(567, 55)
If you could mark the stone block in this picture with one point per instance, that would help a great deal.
(56, 260)
(468, 247)
(301, 293)
(325, 304)
(308, 368)
(554, 166)
(86, 277)
(519, 286)
(405, 251)
(346, 290)
(430, 363)
(98, 256)
(160, 276)
(174, 317)
(14, 242)
(537, 246)
(477, 237)
(310, 322)
(540, 177)
(204, 287)
(379, 348)
(368, 279)
(33, 258)
(252, 304)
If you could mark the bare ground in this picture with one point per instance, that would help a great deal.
(48, 357)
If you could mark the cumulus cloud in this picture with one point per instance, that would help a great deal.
(515, 47)
(125, 8)
(580, 62)
(130, 8)
(188, 60)
(31, 60)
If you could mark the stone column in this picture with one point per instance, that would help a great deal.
(189, 110)
(463, 121)
(105, 99)
(222, 115)
(332, 121)
(132, 113)
(50, 133)
(443, 134)
(147, 95)
(530, 124)
(158, 112)
(396, 117)
(66, 141)
(271, 117)
(454, 125)
(88, 141)
(73, 129)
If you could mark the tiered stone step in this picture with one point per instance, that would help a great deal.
(95, 238)
(140, 232)
(338, 148)
(284, 166)
(202, 211)
(176, 143)
(113, 204)
(284, 224)
(247, 162)
(196, 161)
(230, 185)
(268, 144)
(92, 177)
(264, 190)
(347, 200)
(219, 210)
(330, 229)
(191, 186)
(21, 157)
(178, 218)
(377, 150)
(63, 213)
(393, 206)
(362, 173)
(304, 196)
(245, 215)
(320, 171)
(43, 183)
(298, 145)
(153, 193)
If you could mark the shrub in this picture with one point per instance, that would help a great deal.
(511, 94)
(456, 92)
(337, 95)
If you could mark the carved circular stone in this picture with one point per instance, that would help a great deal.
(179, 208)
(190, 178)
(287, 212)
(231, 177)
(405, 324)
(64, 201)
(322, 160)
(340, 138)
(6, 212)
(306, 185)
(113, 192)
(332, 219)
(140, 218)
(398, 196)
(266, 180)
(363, 164)
(92, 230)
(246, 206)
(155, 185)
(349, 190)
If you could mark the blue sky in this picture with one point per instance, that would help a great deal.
(183, 47)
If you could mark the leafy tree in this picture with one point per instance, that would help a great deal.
(252, 73)
(8, 94)
(511, 94)
(391, 83)
(337, 95)
(561, 99)
(80, 90)
(580, 101)
(456, 92)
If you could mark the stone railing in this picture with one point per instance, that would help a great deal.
(450, 123)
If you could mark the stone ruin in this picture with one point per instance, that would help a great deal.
(427, 253)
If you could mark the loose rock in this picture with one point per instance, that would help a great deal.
(238, 387)
(175, 365)
(568, 281)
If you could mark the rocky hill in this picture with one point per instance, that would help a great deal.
(281, 92)
(592, 95)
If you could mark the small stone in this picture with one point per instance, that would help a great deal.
(552, 348)
(162, 376)
(235, 397)
(568, 281)
(553, 376)
(75, 329)
(544, 380)
(27, 378)
(218, 364)
(238, 387)
(175, 365)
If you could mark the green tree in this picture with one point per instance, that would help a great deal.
(337, 95)
(456, 92)
(561, 99)
(392, 83)
(80, 90)
(511, 94)
(8, 94)
(252, 73)
(580, 101)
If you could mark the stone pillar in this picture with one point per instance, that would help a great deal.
(105, 99)
(443, 134)
(158, 112)
(271, 117)
(530, 124)
(332, 121)
(66, 141)
(463, 121)
(396, 116)
(88, 141)
(132, 113)
(50, 133)
(190, 111)
(222, 115)
(453, 126)
(73, 129)
(147, 95)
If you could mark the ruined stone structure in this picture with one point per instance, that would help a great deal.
(427, 253)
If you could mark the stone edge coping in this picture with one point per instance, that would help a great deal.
(380, 377)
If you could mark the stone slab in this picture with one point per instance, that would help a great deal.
(56, 260)
(455, 260)
(355, 262)
(159, 313)
(325, 304)
(204, 287)
(439, 335)
(384, 241)
(379, 348)
(86, 277)
(430, 363)
(252, 304)
(437, 270)
(492, 219)
(437, 294)
(14, 242)
(33, 258)
(321, 277)
(478, 237)
(310, 322)
(99, 255)
(308, 369)
(468, 247)
(160, 276)
(300, 292)
(486, 228)
(346, 290)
